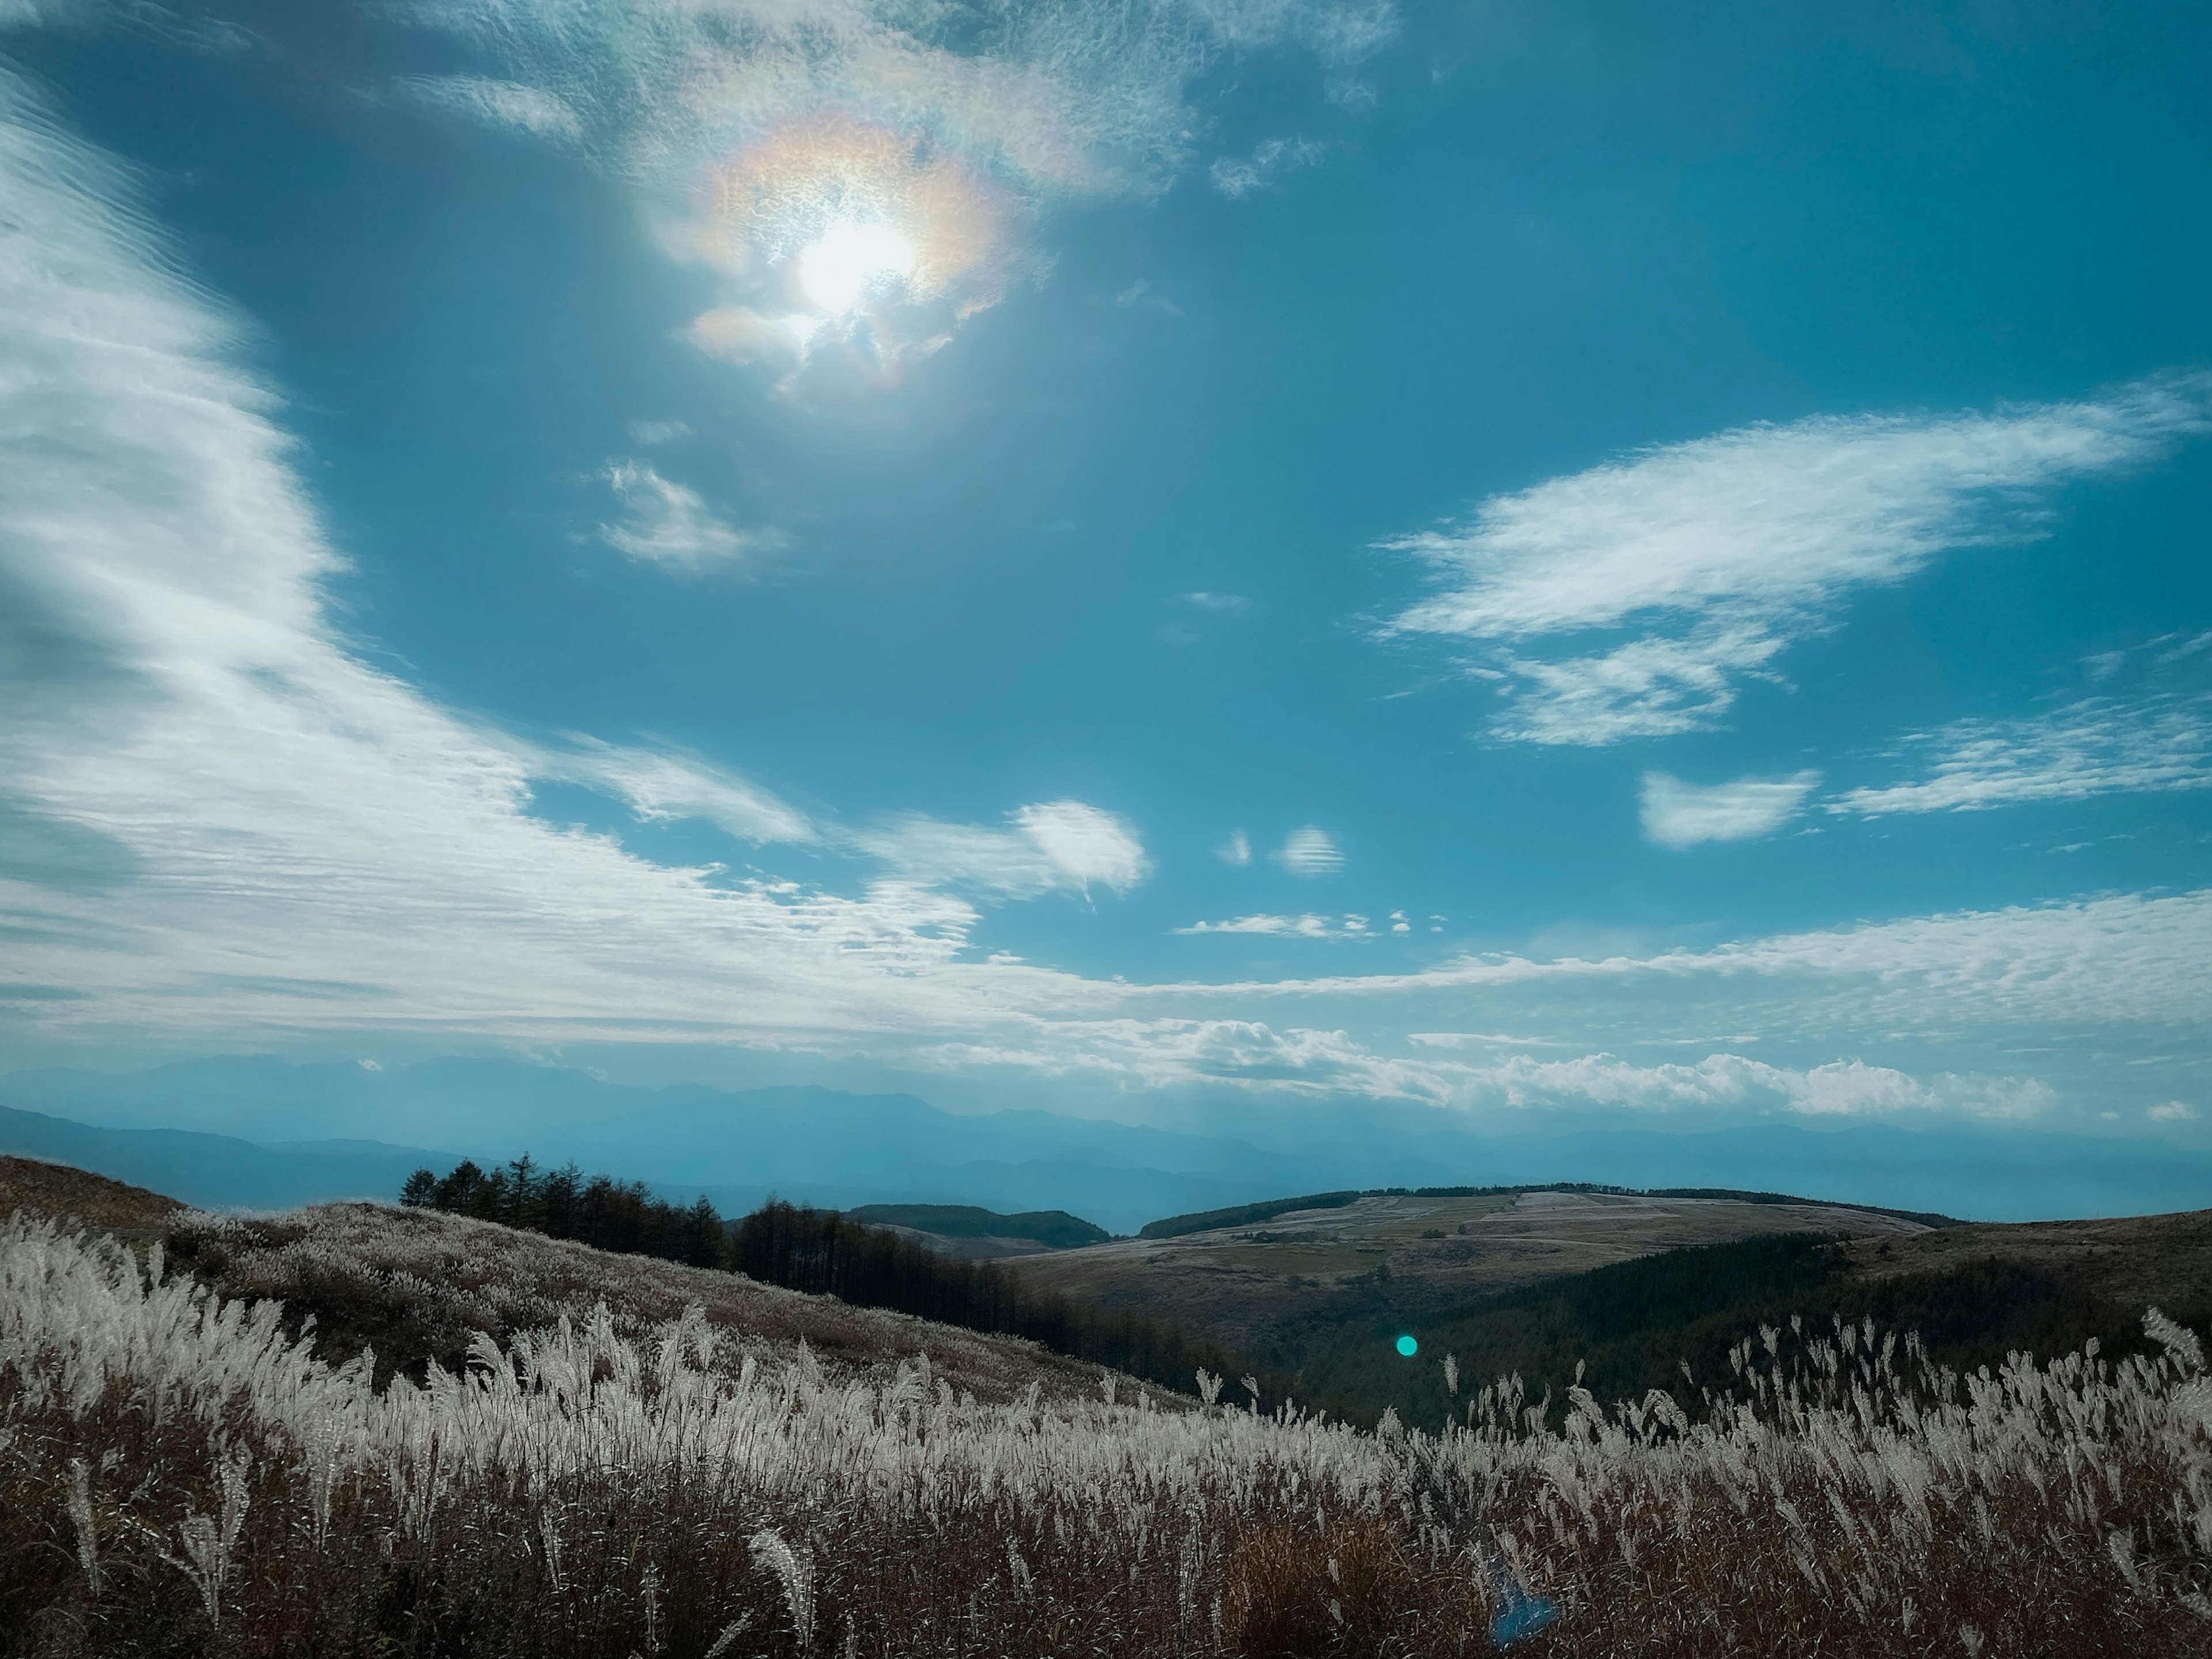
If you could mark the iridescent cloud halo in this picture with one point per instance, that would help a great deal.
(827, 220)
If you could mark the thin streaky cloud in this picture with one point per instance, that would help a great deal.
(1682, 815)
(2158, 744)
(1714, 554)
(1294, 1060)
(1301, 926)
(507, 104)
(956, 126)
(670, 524)
(2125, 960)
(1271, 162)
(1310, 851)
(1055, 846)
(661, 784)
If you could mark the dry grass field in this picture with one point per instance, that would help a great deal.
(2131, 1260)
(630, 1459)
(418, 1285)
(1239, 1282)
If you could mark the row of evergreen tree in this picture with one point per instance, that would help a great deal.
(599, 1210)
(822, 1252)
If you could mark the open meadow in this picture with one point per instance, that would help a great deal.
(616, 1472)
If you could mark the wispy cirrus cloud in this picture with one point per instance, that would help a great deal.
(667, 523)
(262, 816)
(663, 784)
(1055, 846)
(934, 136)
(1349, 925)
(2153, 739)
(1271, 160)
(1633, 599)
(1679, 814)
(280, 842)
(1253, 1055)
(2121, 961)
(1310, 850)
(507, 104)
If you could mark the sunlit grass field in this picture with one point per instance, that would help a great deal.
(180, 1475)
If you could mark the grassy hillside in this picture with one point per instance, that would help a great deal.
(1022, 1233)
(421, 1288)
(1242, 1280)
(1973, 1296)
(637, 1457)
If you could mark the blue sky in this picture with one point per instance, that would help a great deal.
(1554, 564)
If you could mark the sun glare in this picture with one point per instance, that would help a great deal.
(849, 260)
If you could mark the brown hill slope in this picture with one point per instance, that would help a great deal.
(417, 1286)
(1235, 1284)
(2131, 1262)
(55, 1192)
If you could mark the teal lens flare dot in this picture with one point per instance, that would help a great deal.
(1407, 1346)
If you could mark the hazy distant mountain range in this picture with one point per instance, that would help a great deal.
(237, 1132)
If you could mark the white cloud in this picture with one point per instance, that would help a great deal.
(1086, 844)
(1310, 851)
(2093, 746)
(671, 525)
(1305, 926)
(281, 837)
(2108, 965)
(1679, 814)
(2173, 1111)
(1271, 160)
(660, 785)
(1251, 1054)
(1712, 555)
(507, 104)
(1236, 851)
(659, 432)
(953, 127)
(1057, 846)
(276, 840)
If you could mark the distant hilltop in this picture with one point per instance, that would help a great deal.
(1055, 1230)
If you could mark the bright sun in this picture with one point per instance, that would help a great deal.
(851, 257)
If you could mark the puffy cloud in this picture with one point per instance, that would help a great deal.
(1678, 814)
(1711, 555)
(2173, 1111)
(1310, 851)
(671, 525)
